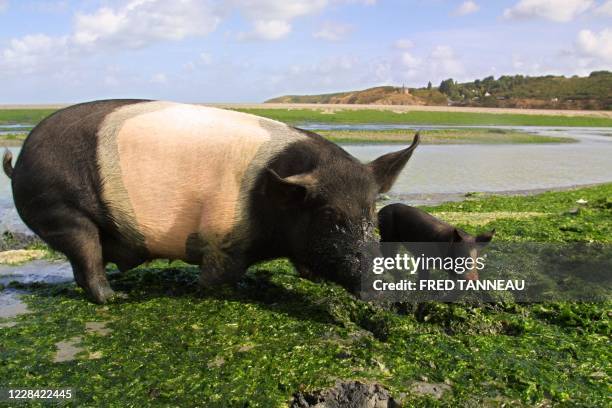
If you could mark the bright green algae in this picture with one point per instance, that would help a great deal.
(276, 334)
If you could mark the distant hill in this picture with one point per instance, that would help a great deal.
(518, 91)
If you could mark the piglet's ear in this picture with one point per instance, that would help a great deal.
(288, 191)
(485, 238)
(457, 236)
(387, 167)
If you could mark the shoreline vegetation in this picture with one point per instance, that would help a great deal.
(296, 116)
(440, 136)
(380, 114)
(399, 136)
(304, 336)
(507, 91)
(373, 115)
(12, 139)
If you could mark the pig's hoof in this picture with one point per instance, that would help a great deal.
(101, 294)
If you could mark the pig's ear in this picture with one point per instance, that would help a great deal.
(457, 236)
(288, 191)
(485, 238)
(387, 167)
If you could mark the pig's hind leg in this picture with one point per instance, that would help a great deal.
(79, 239)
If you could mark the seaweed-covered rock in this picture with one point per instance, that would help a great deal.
(434, 390)
(17, 240)
(346, 394)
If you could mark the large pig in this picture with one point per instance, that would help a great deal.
(126, 181)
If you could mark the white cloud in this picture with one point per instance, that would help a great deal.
(333, 31)
(530, 66)
(268, 30)
(555, 10)
(325, 75)
(407, 58)
(3, 5)
(605, 9)
(271, 19)
(597, 46)
(140, 23)
(143, 22)
(410, 61)
(444, 60)
(136, 24)
(364, 2)
(467, 7)
(32, 51)
(440, 63)
(278, 10)
(407, 65)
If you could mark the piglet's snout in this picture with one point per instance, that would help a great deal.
(472, 275)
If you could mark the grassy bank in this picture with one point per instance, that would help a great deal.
(12, 139)
(297, 116)
(441, 136)
(276, 333)
(438, 136)
(25, 116)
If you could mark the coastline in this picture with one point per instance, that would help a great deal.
(433, 199)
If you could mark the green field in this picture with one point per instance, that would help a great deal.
(23, 116)
(299, 116)
(440, 136)
(276, 333)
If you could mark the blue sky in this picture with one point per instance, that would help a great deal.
(251, 50)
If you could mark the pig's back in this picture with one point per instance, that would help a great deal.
(403, 223)
(171, 170)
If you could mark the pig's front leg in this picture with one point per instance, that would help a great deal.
(421, 309)
(221, 267)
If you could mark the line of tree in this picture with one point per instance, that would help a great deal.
(597, 86)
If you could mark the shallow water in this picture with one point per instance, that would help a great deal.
(488, 168)
(52, 272)
(12, 129)
(543, 130)
(11, 306)
(446, 170)
(36, 271)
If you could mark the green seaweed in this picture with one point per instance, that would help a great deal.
(275, 333)
(441, 136)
